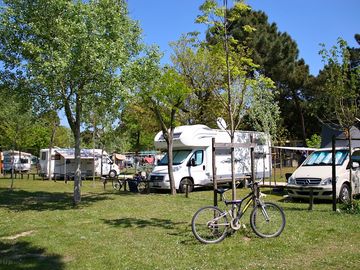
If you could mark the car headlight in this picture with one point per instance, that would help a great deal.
(327, 181)
(291, 180)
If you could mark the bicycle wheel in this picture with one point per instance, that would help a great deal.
(209, 225)
(117, 185)
(267, 220)
(142, 187)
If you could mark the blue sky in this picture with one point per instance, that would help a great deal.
(308, 22)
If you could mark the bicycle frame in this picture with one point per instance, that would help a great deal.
(251, 199)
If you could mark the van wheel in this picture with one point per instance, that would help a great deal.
(344, 196)
(112, 174)
(186, 182)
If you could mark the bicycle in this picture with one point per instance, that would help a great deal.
(211, 225)
(139, 182)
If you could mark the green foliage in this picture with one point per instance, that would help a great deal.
(340, 92)
(314, 141)
(264, 110)
(352, 207)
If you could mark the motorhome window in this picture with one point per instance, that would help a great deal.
(24, 161)
(198, 156)
(56, 157)
(43, 156)
(175, 136)
(325, 158)
(178, 157)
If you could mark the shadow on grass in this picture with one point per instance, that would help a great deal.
(142, 223)
(21, 200)
(22, 255)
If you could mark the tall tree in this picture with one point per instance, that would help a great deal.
(235, 65)
(275, 52)
(341, 90)
(72, 52)
(164, 92)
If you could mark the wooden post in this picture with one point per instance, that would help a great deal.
(333, 173)
(252, 157)
(187, 190)
(214, 172)
(311, 199)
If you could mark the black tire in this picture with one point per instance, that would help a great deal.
(186, 182)
(112, 174)
(117, 185)
(344, 195)
(267, 228)
(210, 225)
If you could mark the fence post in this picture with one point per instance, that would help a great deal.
(214, 172)
(311, 199)
(333, 173)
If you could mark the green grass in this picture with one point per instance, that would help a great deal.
(121, 230)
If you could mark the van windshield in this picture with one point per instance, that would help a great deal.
(178, 157)
(325, 158)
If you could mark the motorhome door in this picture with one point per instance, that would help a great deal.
(197, 167)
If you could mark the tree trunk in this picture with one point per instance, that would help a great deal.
(76, 130)
(50, 151)
(170, 161)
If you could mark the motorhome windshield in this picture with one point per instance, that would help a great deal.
(178, 157)
(325, 158)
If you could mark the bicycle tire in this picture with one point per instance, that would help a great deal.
(142, 187)
(209, 225)
(271, 228)
(117, 185)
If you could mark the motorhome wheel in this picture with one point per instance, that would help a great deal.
(186, 182)
(112, 174)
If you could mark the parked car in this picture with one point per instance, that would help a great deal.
(315, 174)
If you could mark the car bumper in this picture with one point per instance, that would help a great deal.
(305, 192)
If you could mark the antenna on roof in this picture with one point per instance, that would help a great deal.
(221, 123)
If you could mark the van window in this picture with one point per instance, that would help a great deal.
(356, 156)
(324, 158)
(43, 156)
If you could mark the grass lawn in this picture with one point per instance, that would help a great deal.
(39, 229)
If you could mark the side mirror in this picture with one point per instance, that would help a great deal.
(192, 162)
(355, 165)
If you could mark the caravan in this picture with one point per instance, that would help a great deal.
(192, 157)
(19, 161)
(62, 164)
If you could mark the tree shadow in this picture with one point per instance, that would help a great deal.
(142, 223)
(22, 255)
(21, 200)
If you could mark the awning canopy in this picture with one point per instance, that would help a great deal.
(120, 156)
(84, 153)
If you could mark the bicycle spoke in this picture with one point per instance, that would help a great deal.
(209, 225)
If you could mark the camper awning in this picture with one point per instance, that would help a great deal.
(70, 153)
(120, 157)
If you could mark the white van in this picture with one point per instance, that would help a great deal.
(192, 157)
(316, 173)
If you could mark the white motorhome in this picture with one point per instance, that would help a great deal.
(315, 174)
(192, 157)
(63, 163)
(19, 161)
